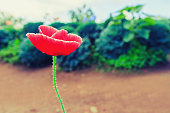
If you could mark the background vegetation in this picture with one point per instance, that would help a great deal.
(130, 40)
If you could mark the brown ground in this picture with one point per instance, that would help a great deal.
(24, 90)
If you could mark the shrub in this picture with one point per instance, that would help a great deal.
(110, 43)
(9, 33)
(32, 27)
(32, 57)
(90, 30)
(79, 59)
(137, 57)
(159, 38)
(10, 54)
(123, 30)
(107, 21)
(131, 22)
(164, 22)
(114, 51)
(68, 28)
(13, 32)
(57, 25)
(4, 38)
(73, 24)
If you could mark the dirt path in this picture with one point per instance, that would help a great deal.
(24, 90)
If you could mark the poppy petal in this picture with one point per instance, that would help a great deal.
(47, 30)
(70, 47)
(52, 46)
(74, 37)
(39, 41)
(61, 35)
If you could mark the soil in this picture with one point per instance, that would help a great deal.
(24, 90)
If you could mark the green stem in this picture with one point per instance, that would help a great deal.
(55, 86)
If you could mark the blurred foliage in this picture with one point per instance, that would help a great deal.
(121, 30)
(79, 59)
(163, 21)
(110, 43)
(132, 9)
(9, 33)
(73, 24)
(32, 27)
(159, 38)
(83, 14)
(68, 28)
(115, 46)
(89, 29)
(4, 38)
(32, 57)
(57, 25)
(14, 33)
(107, 21)
(129, 39)
(130, 19)
(10, 53)
(137, 57)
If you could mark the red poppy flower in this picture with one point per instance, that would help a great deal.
(54, 42)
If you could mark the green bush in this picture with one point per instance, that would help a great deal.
(159, 38)
(32, 27)
(110, 43)
(9, 33)
(137, 57)
(4, 38)
(123, 41)
(90, 30)
(57, 25)
(164, 22)
(68, 28)
(32, 57)
(129, 19)
(13, 32)
(116, 47)
(10, 53)
(112, 50)
(79, 59)
(107, 21)
(73, 24)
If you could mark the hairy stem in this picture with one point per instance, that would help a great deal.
(55, 86)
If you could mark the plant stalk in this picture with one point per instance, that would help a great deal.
(55, 86)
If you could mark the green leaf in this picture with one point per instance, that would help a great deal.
(149, 21)
(143, 33)
(110, 62)
(128, 36)
(119, 17)
(127, 24)
(145, 22)
(133, 9)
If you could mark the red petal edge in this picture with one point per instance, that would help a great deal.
(51, 46)
(47, 30)
(74, 37)
(63, 35)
